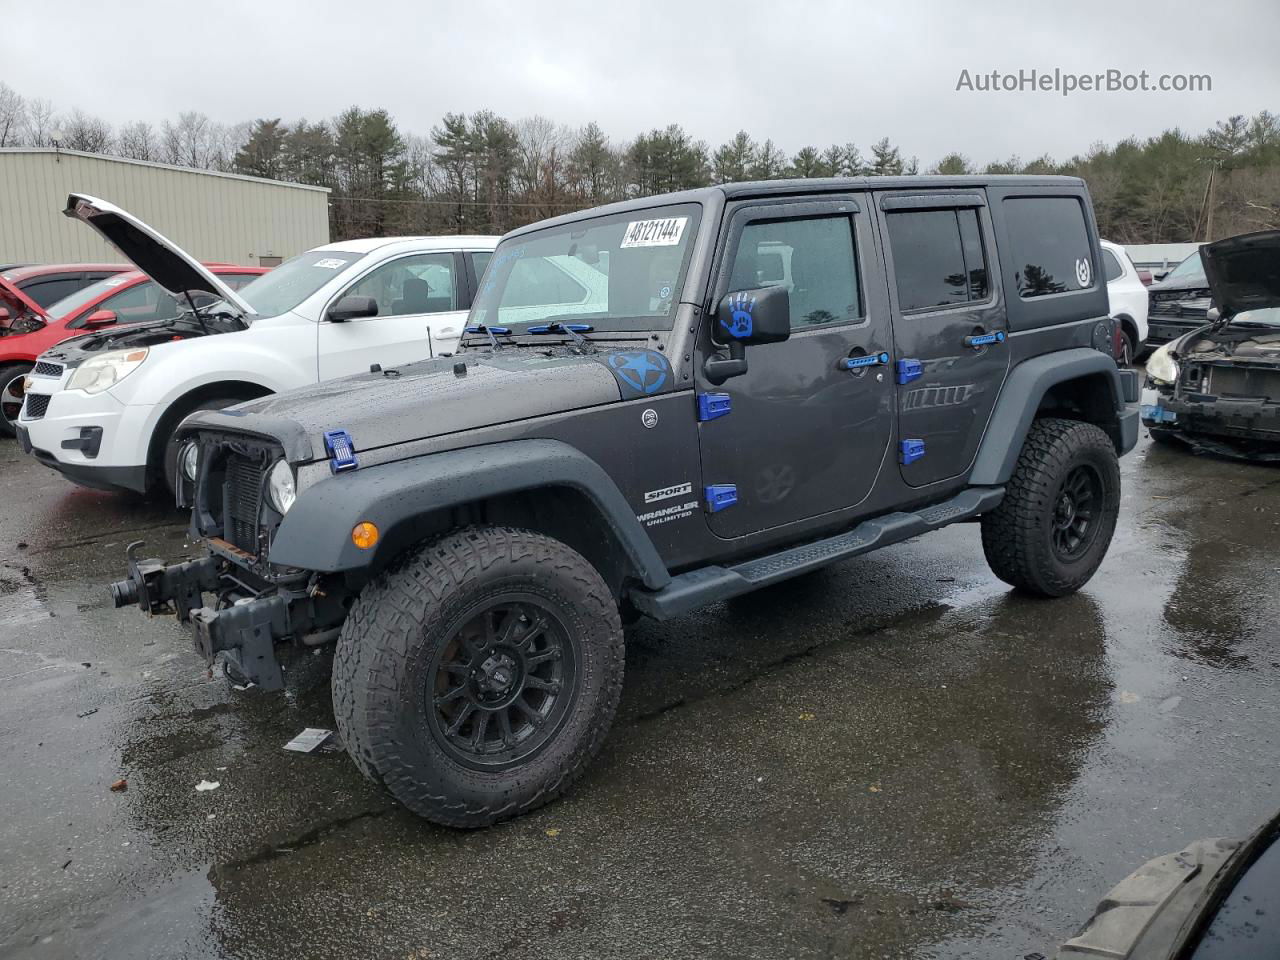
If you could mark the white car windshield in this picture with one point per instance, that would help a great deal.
(293, 281)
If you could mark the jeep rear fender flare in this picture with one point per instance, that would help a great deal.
(1020, 399)
(316, 532)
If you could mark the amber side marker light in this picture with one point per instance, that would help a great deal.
(364, 535)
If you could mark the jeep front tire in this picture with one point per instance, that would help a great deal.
(1052, 529)
(477, 676)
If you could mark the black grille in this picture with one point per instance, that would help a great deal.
(45, 369)
(244, 500)
(1244, 382)
(37, 406)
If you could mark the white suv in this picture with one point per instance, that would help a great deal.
(102, 409)
(1128, 296)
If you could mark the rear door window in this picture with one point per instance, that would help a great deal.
(938, 258)
(1049, 245)
(48, 292)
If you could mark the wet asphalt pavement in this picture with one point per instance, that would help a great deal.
(894, 757)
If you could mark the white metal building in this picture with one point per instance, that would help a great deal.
(213, 216)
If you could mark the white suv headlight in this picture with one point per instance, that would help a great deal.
(1161, 367)
(281, 490)
(106, 370)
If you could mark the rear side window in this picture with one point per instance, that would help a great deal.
(812, 257)
(1049, 245)
(938, 258)
(48, 292)
(1111, 265)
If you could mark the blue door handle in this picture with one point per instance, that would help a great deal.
(870, 360)
(983, 339)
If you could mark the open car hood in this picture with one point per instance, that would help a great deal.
(15, 303)
(1244, 272)
(159, 258)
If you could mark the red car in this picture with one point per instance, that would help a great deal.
(47, 283)
(28, 330)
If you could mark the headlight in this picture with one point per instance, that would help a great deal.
(106, 370)
(1161, 367)
(280, 488)
(190, 460)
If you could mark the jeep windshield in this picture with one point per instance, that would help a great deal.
(289, 284)
(617, 272)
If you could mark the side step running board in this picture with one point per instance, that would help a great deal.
(707, 585)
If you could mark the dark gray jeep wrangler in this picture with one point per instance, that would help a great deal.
(658, 405)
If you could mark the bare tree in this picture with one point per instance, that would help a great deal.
(82, 131)
(13, 114)
(38, 123)
(137, 141)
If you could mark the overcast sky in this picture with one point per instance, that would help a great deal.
(799, 72)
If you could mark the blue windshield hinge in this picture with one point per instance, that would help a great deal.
(909, 370)
(909, 451)
(712, 405)
(721, 495)
(342, 453)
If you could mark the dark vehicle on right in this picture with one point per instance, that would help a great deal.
(1179, 302)
(735, 385)
(1218, 386)
(1217, 899)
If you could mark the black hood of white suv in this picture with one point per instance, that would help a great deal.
(1244, 272)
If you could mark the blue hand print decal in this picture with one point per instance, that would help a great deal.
(642, 371)
(739, 323)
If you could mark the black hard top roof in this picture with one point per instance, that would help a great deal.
(806, 185)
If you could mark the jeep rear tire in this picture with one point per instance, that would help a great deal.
(1052, 529)
(478, 675)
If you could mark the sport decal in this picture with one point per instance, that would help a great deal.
(666, 493)
(639, 372)
(654, 233)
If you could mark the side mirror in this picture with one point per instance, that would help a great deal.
(762, 315)
(352, 308)
(1213, 314)
(99, 318)
(744, 317)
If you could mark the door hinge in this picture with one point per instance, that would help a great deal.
(909, 451)
(721, 495)
(712, 405)
(909, 370)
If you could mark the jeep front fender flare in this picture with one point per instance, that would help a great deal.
(1020, 398)
(316, 532)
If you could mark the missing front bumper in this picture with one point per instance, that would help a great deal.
(245, 631)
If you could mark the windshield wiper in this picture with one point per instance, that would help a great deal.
(491, 332)
(574, 331)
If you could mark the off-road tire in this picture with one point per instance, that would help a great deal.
(396, 626)
(1017, 536)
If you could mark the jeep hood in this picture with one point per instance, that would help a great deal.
(159, 258)
(1244, 272)
(441, 396)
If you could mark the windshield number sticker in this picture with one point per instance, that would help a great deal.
(113, 281)
(329, 263)
(654, 233)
